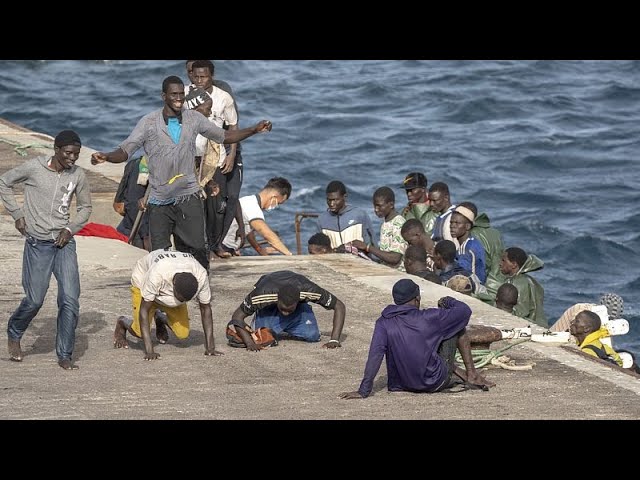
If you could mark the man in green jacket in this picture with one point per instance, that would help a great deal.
(491, 240)
(515, 264)
(418, 205)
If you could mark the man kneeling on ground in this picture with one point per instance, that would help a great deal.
(420, 345)
(166, 279)
(280, 302)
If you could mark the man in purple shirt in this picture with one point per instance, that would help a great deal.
(419, 345)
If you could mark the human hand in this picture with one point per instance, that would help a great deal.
(350, 395)
(359, 244)
(142, 205)
(118, 207)
(445, 302)
(21, 226)
(63, 238)
(253, 346)
(263, 126)
(332, 344)
(212, 188)
(228, 164)
(268, 250)
(98, 157)
(242, 237)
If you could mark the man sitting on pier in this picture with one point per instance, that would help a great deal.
(279, 301)
(420, 345)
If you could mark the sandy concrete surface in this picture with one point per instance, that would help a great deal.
(294, 380)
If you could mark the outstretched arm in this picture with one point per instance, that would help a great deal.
(270, 236)
(117, 156)
(390, 258)
(377, 351)
(207, 326)
(235, 136)
(339, 312)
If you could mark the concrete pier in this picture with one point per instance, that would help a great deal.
(294, 380)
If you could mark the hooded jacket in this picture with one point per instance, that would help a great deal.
(352, 223)
(47, 197)
(491, 240)
(410, 338)
(424, 213)
(530, 304)
(594, 339)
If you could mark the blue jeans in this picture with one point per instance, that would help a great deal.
(300, 324)
(39, 260)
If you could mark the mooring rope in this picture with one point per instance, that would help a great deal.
(483, 357)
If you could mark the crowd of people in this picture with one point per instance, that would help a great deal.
(181, 202)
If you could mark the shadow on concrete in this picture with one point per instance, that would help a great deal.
(379, 384)
(89, 323)
(195, 338)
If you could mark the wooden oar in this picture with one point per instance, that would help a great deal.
(138, 221)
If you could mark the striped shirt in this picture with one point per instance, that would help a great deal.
(265, 291)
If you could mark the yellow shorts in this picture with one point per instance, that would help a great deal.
(178, 316)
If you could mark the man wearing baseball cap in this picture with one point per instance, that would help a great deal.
(418, 205)
(420, 345)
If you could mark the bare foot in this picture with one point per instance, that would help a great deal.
(474, 378)
(478, 379)
(68, 364)
(15, 352)
(222, 253)
(162, 333)
(120, 334)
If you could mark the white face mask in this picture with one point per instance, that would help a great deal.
(273, 205)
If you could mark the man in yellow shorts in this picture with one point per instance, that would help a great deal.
(167, 280)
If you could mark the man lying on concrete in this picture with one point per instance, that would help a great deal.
(167, 280)
(420, 345)
(279, 301)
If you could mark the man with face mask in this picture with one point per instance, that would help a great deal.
(276, 192)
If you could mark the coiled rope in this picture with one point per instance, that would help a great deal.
(484, 357)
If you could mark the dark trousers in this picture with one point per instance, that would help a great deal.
(185, 221)
(447, 351)
(221, 210)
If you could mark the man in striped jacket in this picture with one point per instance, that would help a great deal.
(280, 301)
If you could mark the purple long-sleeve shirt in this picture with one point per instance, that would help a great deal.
(410, 337)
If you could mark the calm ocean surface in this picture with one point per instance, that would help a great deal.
(549, 149)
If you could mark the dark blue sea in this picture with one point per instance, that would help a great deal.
(549, 149)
